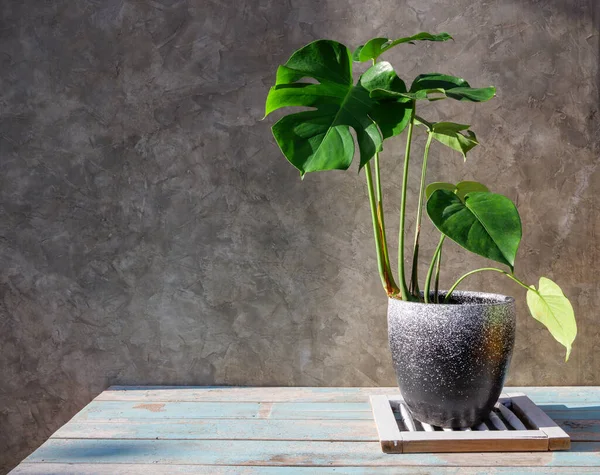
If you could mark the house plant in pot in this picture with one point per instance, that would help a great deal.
(451, 349)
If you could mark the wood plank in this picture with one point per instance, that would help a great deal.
(580, 431)
(241, 394)
(558, 394)
(496, 421)
(220, 429)
(387, 428)
(156, 469)
(510, 417)
(584, 414)
(527, 411)
(284, 453)
(320, 410)
(473, 441)
(567, 406)
(135, 410)
(316, 394)
(406, 417)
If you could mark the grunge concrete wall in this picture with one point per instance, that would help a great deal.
(151, 232)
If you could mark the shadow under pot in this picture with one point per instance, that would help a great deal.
(451, 360)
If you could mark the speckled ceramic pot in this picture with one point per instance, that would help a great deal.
(451, 359)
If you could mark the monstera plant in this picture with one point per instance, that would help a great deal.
(378, 106)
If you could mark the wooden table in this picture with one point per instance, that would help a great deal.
(233, 430)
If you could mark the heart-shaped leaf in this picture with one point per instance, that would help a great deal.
(438, 185)
(464, 187)
(487, 224)
(549, 306)
(375, 47)
(460, 189)
(435, 86)
(320, 139)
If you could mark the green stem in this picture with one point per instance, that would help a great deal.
(436, 253)
(414, 282)
(383, 264)
(380, 215)
(403, 287)
(436, 288)
(510, 276)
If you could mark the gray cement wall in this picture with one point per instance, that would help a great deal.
(151, 233)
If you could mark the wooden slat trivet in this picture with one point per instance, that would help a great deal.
(515, 425)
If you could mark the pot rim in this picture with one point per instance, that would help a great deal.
(493, 299)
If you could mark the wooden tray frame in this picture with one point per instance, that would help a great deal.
(544, 434)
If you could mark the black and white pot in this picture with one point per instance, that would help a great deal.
(451, 359)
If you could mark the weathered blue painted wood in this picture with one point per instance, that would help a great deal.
(298, 453)
(241, 394)
(542, 395)
(574, 414)
(115, 410)
(157, 430)
(309, 394)
(256, 429)
(567, 406)
(132, 410)
(320, 410)
(135, 410)
(156, 469)
(262, 429)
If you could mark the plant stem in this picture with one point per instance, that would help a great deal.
(383, 263)
(414, 281)
(436, 254)
(510, 276)
(436, 288)
(403, 287)
(380, 215)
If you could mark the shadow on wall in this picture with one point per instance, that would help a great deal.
(148, 226)
(579, 11)
(596, 20)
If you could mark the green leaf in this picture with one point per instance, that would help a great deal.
(549, 306)
(486, 223)
(453, 87)
(320, 139)
(438, 185)
(382, 76)
(452, 135)
(460, 189)
(370, 50)
(392, 115)
(435, 86)
(373, 48)
(464, 187)
(428, 94)
(437, 81)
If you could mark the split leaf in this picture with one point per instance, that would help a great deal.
(320, 139)
(435, 86)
